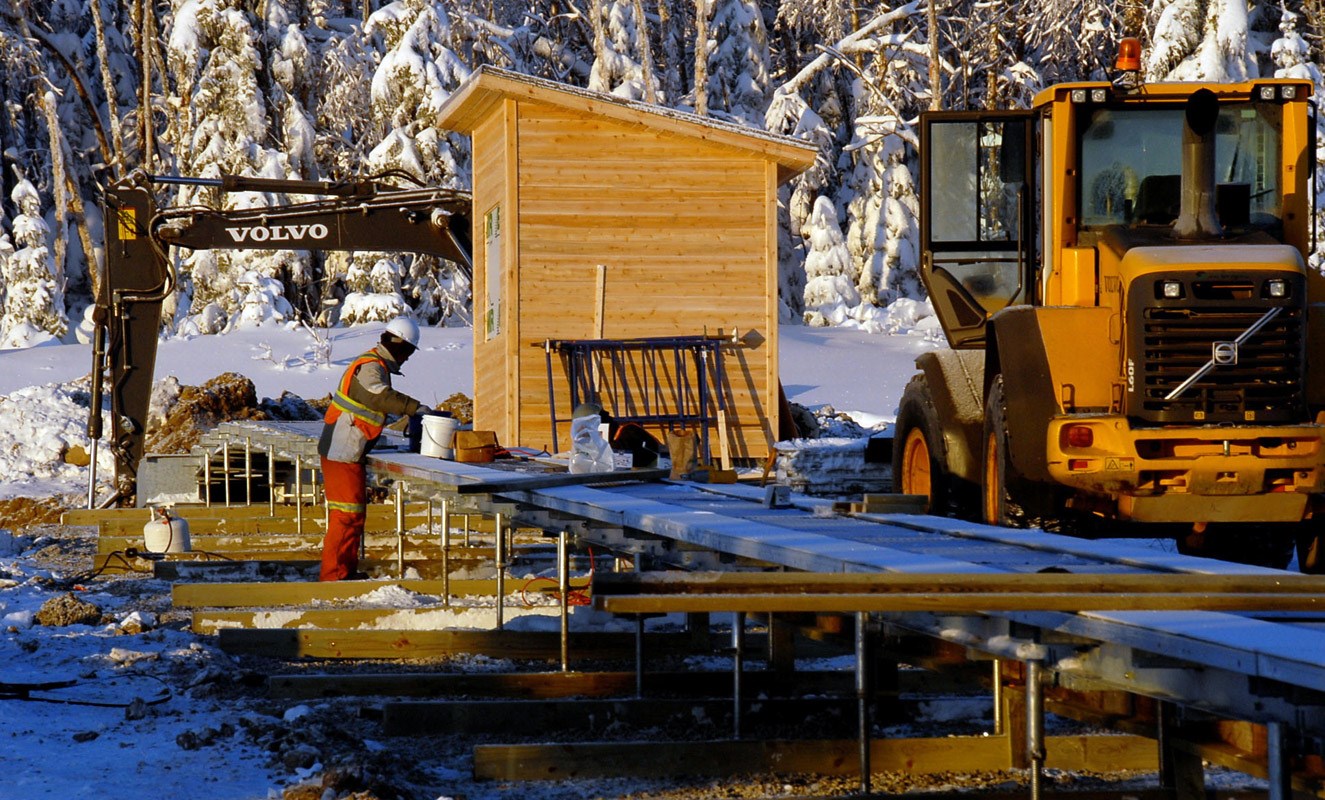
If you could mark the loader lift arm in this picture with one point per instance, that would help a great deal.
(355, 216)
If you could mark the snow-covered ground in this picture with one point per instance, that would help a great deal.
(202, 741)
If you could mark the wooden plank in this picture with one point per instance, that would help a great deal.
(380, 564)
(266, 595)
(542, 685)
(595, 716)
(212, 620)
(517, 645)
(678, 582)
(972, 603)
(959, 754)
(199, 513)
(313, 525)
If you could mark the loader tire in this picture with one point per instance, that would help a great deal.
(920, 463)
(1007, 497)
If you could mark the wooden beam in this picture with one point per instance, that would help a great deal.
(594, 716)
(544, 685)
(278, 526)
(265, 594)
(518, 645)
(974, 603)
(961, 754)
(435, 617)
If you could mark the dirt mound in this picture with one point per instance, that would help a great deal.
(229, 396)
(460, 406)
(20, 513)
(67, 610)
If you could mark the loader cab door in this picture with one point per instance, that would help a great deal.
(976, 221)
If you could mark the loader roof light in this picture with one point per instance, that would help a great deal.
(1267, 92)
(1288, 92)
(1129, 55)
(1099, 95)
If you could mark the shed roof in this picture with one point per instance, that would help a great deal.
(489, 85)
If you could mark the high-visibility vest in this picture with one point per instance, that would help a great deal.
(365, 419)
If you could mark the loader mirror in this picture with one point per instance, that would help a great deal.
(1012, 162)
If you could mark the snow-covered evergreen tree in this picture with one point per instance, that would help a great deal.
(33, 291)
(1292, 59)
(738, 61)
(1200, 40)
(617, 69)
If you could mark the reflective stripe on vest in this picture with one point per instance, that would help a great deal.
(348, 508)
(370, 421)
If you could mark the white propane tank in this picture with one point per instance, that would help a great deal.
(166, 533)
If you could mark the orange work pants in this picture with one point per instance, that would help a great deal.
(347, 505)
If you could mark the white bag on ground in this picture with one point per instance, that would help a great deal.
(590, 452)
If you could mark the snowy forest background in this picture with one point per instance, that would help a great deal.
(332, 89)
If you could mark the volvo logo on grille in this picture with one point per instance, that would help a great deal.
(1225, 354)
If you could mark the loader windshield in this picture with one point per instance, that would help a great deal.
(1131, 162)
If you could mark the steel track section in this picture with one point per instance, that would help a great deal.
(1256, 669)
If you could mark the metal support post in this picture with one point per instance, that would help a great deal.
(225, 468)
(271, 480)
(863, 698)
(299, 495)
(998, 697)
(738, 666)
(207, 478)
(1278, 774)
(400, 529)
(467, 544)
(1035, 752)
(639, 638)
(501, 569)
(446, 552)
(563, 588)
(248, 470)
(92, 477)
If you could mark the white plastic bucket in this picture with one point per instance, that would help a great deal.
(438, 436)
(167, 535)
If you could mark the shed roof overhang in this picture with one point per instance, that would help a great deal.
(488, 86)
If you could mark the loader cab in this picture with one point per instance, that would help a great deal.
(977, 221)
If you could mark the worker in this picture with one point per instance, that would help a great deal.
(354, 420)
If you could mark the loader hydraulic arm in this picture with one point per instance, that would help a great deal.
(355, 216)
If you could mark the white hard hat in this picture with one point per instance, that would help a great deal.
(405, 329)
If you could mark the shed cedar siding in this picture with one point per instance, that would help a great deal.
(684, 223)
(682, 236)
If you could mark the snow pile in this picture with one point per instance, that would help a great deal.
(41, 426)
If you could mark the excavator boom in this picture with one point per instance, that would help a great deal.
(355, 216)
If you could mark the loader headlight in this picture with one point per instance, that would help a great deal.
(1170, 290)
(1276, 287)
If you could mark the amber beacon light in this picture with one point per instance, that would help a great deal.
(1129, 55)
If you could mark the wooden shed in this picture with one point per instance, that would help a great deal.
(600, 220)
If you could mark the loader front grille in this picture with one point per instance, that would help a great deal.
(1246, 376)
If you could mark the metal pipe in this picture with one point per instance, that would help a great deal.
(998, 697)
(446, 552)
(248, 470)
(400, 529)
(299, 495)
(467, 530)
(563, 588)
(863, 698)
(1035, 726)
(638, 567)
(738, 666)
(225, 468)
(1276, 767)
(501, 568)
(92, 477)
(271, 480)
(207, 478)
